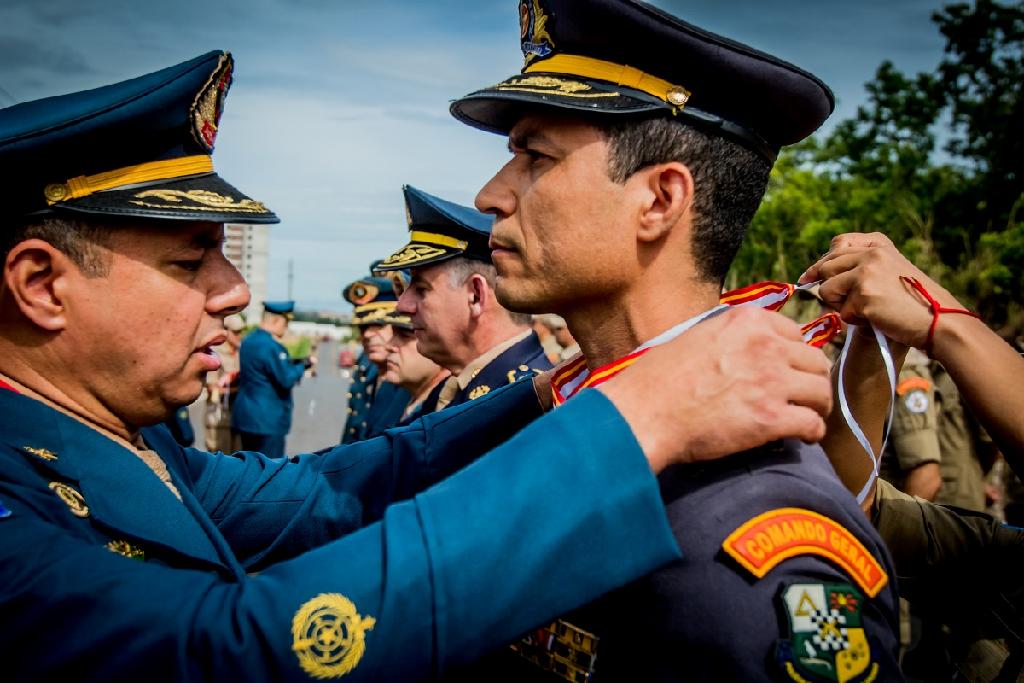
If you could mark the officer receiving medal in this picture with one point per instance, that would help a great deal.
(641, 147)
(262, 413)
(124, 556)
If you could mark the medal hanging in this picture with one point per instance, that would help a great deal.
(772, 296)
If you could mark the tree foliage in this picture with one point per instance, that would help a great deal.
(955, 209)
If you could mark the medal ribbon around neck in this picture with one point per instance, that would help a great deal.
(772, 296)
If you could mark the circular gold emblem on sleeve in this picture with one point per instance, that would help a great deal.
(72, 498)
(56, 192)
(329, 636)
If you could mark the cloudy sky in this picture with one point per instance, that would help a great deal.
(337, 103)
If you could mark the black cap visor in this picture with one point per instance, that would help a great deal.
(205, 197)
(498, 108)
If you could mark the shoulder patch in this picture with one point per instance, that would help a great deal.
(826, 634)
(329, 636)
(912, 384)
(282, 355)
(769, 538)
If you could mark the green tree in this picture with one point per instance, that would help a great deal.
(877, 171)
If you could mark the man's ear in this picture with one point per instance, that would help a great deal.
(478, 293)
(37, 277)
(668, 195)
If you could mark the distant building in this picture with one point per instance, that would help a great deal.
(247, 247)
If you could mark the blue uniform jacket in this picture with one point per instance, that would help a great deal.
(180, 427)
(522, 359)
(360, 399)
(706, 617)
(386, 411)
(350, 562)
(265, 380)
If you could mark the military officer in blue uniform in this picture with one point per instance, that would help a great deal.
(360, 398)
(124, 556)
(373, 404)
(263, 408)
(458, 321)
(641, 149)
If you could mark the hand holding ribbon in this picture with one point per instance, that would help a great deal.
(866, 279)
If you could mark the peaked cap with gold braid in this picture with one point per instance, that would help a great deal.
(141, 147)
(440, 230)
(374, 301)
(625, 58)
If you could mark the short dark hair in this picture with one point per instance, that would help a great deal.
(461, 269)
(729, 180)
(79, 240)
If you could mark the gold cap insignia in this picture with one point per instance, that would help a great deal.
(43, 453)
(533, 30)
(72, 498)
(209, 103)
(329, 636)
(361, 293)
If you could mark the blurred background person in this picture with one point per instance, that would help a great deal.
(373, 404)
(544, 325)
(411, 370)
(262, 413)
(221, 390)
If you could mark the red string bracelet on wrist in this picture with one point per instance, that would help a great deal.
(936, 309)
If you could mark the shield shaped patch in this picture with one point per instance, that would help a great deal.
(826, 641)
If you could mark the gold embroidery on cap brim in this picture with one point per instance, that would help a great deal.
(558, 92)
(549, 84)
(202, 200)
(413, 254)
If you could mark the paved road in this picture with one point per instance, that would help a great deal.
(320, 405)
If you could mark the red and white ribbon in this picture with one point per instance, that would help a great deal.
(772, 296)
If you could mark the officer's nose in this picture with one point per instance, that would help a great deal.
(496, 197)
(407, 303)
(228, 291)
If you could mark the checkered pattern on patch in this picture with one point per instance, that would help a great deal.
(831, 635)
